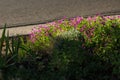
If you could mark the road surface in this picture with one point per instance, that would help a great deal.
(26, 12)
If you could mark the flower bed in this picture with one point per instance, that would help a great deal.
(74, 49)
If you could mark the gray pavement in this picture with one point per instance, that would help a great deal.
(26, 12)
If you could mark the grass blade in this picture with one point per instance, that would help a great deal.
(7, 44)
(2, 39)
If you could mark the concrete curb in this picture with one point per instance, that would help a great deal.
(22, 30)
(18, 30)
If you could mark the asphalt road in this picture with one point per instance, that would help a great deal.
(26, 12)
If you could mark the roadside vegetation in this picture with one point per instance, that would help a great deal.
(67, 49)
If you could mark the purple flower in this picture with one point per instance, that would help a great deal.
(103, 18)
(98, 14)
(32, 37)
(79, 19)
(94, 18)
(60, 21)
(75, 21)
(118, 16)
(82, 28)
(108, 17)
(103, 22)
(64, 17)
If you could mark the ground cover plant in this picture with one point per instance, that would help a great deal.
(67, 49)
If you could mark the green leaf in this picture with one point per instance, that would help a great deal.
(2, 39)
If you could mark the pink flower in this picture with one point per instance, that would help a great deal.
(34, 30)
(32, 37)
(75, 21)
(119, 16)
(94, 18)
(60, 21)
(51, 23)
(43, 26)
(89, 18)
(109, 17)
(79, 19)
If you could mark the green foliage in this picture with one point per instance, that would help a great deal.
(75, 49)
(81, 48)
(73, 61)
(68, 49)
(10, 55)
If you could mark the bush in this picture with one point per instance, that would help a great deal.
(75, 49)
(82, 48)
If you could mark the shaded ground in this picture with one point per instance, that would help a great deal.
(25, 12)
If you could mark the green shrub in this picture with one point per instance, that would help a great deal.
(75, 49)
(80, 48)
(73, 61)
(10, 56)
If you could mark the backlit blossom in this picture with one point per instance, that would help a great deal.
(32, 37)
(89, 18)
(75, 21)
(118, 16)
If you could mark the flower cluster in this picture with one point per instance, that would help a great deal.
(85, 26)
(76, 21)
(40, 31)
